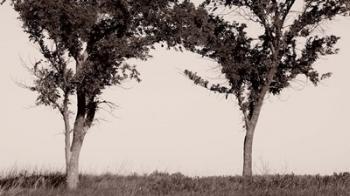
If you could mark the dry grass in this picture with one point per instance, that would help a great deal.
(49, 184)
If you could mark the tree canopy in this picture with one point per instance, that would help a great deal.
(273, 59)
(103, 34)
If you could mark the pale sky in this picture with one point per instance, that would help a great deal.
(167, 123)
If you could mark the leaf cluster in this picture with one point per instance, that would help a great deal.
(85, 43)
(269, 63)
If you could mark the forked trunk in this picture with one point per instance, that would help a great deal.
(79, 130)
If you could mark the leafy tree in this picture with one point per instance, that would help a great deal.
(84, 46)
(257, 66)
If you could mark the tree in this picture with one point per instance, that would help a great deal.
(84, 46)
(257, 66)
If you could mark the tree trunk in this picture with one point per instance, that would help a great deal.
(79, 130)
(252, 120)
(248, 140)
(247, 153)
(67, 139)
(73, 165)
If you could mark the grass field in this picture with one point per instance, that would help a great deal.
(49, 184)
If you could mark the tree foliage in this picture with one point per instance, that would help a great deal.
(271, 61)
(102, 35)
(85, 44)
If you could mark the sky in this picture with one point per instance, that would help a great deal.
(166, 123)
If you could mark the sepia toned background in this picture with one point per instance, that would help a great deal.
(167, 123)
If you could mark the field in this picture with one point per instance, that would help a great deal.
(49, 184)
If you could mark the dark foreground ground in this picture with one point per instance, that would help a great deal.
(176, 184)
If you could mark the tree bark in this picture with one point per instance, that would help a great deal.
(79, 132)
(73, 165)
(249, 137)
(67, 139)
(247, 153)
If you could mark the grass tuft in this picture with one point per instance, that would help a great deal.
(158, 183)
